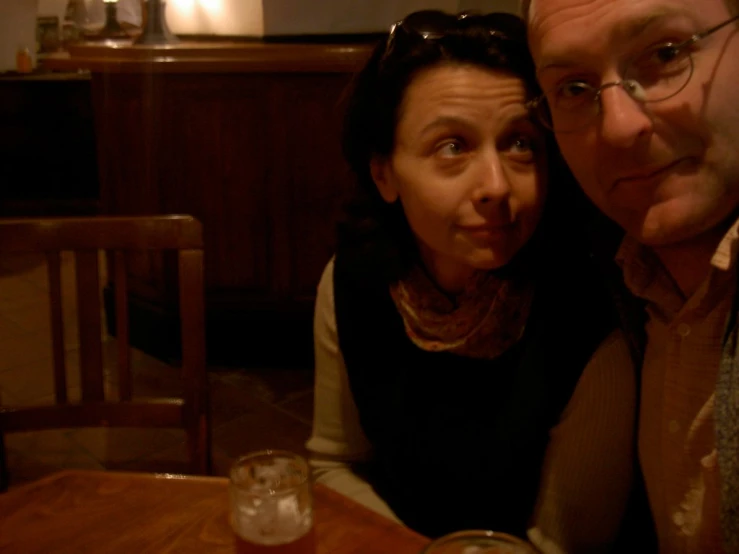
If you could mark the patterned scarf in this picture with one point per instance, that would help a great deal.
(486, 319)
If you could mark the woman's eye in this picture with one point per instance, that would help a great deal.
(522, 144)
(451, 148)
(522, 148)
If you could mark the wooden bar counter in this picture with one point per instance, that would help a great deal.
(245, 137)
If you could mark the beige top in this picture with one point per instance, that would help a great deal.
(677, 448)
(587, 469)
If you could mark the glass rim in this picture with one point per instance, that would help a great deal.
(476, 533)
(305, 477)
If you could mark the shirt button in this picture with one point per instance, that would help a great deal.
(683, 330)
(678, 518)
(674, 427)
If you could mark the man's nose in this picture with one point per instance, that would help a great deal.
(624, 119)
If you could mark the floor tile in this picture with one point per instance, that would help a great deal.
(7, 398)
(300, 406)
(20, 265)
(30, 383)
(30, 315)
(24, 349)
(9, 329)
(112, 446)
(227, 402)
(33, 382)
(273, 385)
(264, 426)
(31, 455)
(24, 468)
(12, 288)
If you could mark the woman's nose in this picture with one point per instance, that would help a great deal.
(493, 185)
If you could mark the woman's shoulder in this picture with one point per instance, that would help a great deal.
(326, 282)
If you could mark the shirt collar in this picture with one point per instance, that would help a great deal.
(646, 277)
(725, 256)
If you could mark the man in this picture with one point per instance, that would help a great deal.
(642, 97)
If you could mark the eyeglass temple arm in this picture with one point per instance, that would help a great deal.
(703, 34)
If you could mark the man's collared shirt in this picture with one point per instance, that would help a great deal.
(677, 448)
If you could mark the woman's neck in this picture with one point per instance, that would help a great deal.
(449, 275)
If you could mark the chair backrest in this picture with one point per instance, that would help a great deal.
(117, 236)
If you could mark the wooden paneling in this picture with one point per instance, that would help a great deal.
(47, 146)
(256, 156)
(307, 191)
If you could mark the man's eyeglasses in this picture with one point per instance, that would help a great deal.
(658, 73)
(434, 25)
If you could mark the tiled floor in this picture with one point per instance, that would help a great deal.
(251, 409)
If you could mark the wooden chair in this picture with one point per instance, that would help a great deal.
(117, 236)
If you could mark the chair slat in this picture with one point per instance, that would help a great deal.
(4, 477)
(84, 233)
(90, 330)
(161, 413)
(130, 240)
(125, 385)
(54, 272)
(192, 317)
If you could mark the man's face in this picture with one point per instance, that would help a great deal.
(665, 171)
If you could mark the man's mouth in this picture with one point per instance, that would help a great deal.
(647, 175)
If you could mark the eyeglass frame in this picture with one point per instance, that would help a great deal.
(533, 105)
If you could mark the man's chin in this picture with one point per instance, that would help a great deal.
(666, 232)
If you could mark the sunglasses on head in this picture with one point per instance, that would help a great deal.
(434, 25)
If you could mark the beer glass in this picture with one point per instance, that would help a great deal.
(478, 542)
(272, 504)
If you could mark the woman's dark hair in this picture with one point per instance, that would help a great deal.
(373, 232)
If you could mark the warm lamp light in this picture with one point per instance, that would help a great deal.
(155, 29)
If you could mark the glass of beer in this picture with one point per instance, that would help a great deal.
(478, 542)
(272, 504)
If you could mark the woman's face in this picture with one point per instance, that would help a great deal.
(469, 168)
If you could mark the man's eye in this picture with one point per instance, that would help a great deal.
(660, 55)
(451, 148)
(660, 60)
(665, 54)
(573, 89)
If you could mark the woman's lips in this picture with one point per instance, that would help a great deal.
(487, 229)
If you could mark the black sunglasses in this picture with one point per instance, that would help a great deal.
(435, 24)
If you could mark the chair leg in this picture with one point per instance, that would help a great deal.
(199, 449)
(4, 477)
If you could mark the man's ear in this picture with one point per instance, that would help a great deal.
(383, 178)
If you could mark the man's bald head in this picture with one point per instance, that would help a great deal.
(733, 6)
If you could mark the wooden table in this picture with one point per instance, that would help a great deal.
(144, 513)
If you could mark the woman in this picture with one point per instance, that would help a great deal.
(463, 351)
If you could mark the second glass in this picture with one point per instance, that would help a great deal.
(478, 542)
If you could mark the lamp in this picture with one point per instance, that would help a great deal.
(155, 29)
(112, 28)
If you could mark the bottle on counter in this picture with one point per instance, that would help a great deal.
(23, 60)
